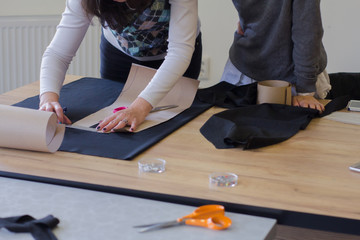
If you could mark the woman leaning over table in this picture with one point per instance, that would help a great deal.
(162, 34)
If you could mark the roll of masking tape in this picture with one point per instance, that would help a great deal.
(30, 129)
(274, 91)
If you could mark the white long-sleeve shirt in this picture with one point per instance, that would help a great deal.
(183, 29)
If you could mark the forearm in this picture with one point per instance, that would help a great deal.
(307, 32)
(60, 52)
(52, 73)
(182, 35)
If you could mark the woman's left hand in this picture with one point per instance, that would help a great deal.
(132, 116)
(239, 29)
(307, 102)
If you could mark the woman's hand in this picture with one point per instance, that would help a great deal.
(307, 102)
(132, 116)
(239, 29)
(49, 102)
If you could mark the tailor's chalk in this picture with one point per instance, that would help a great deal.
(118, 109)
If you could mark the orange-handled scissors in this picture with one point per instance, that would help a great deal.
(208, 216)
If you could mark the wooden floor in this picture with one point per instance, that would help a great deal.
(294, 233)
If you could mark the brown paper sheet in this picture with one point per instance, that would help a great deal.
(182, 94)
(274, 91)
(30, 129)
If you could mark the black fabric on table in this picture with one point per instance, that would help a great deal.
(253, 126)
(227, 95)
(225, 130)
(88, 95)
(256, 126)
(344, 83)
(40, 229)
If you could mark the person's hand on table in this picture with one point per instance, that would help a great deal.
(307, 102)
(239, 29)
(49, 102)
(132, 116)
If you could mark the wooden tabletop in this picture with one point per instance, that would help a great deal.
(308, 173)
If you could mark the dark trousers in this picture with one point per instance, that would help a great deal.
(115, 65)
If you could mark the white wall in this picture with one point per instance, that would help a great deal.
(219, 19)
(31, 7)
(218, 23)
(342, 34)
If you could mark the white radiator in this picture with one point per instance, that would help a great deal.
(23, 41)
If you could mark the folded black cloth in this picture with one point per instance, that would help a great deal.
(253, 126)
(88, 95)
(256, 126)
(40, 229)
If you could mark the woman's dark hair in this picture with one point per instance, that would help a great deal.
(115, 15)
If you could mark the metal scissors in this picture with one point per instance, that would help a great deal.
(208, 216)
(161, 108)
(156, 109)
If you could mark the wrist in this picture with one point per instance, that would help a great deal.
(312, 94)
(48, 97)
(142, 105)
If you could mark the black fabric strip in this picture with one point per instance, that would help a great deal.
(40, 229)
(88, 95)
